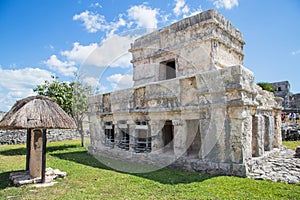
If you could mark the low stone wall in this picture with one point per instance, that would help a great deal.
(12, 137)
(19, 136)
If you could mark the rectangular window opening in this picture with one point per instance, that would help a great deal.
(167, 70)
(109, 134)
(143, 139)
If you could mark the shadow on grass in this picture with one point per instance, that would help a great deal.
(164, 175)
(4, 180)
(22, 150)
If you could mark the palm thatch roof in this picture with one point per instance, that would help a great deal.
(37, 112)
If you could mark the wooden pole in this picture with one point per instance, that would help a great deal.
(43, 175)
(28, 148)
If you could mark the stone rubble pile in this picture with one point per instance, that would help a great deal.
(280, 166)
(23, 177)
(290, 131)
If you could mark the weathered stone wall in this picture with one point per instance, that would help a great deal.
(19, 136)
(229, 114)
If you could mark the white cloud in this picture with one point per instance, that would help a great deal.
(143, 16)
(92, 21)
(112, 52)
(91, 81)
(114, 26)
(96, 5)
(18, 84)
(293, 53)
(180, 7)
(119, 81)
(227, 4)
(66, 68)
(79, 52)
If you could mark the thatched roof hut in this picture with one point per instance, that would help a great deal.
(37, 112)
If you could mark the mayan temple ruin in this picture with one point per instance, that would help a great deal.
(193, 106)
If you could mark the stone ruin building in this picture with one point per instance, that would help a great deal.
(193, 106)
(291, 101)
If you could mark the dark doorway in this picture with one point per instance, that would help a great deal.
(168, 136)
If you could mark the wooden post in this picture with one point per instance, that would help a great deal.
(28, 148)
(43, 175)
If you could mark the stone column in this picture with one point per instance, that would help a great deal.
(256, 136)
(269, 133)
(204, 126)
(157, 142)
(260, 135)
(100, 134)
(132, 135)
(180, 137)
(92, 127)
(277, 130)
(116, 132)
(247, 135)
(238, 134)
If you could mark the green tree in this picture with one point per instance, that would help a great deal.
(72, 97)
(267, 86)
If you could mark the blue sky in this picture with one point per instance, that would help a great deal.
(40, 38)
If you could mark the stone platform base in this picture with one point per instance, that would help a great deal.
(280, 166)
(23, 177)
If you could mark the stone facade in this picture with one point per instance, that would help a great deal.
(291, 101)
(193, 105)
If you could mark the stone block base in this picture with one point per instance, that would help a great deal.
(23, 177)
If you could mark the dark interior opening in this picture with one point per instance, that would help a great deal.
(168, 135)
(194, 148)
(279, 89)
(109, 133)
(143, 139)
(124, 141)
(167, 70)
(170, 70)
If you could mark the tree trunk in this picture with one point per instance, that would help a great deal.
(81, 132)
(82, 139)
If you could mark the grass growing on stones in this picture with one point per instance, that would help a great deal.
(89, 179)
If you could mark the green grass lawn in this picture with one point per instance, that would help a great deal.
(89, 179)
(291, 144)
